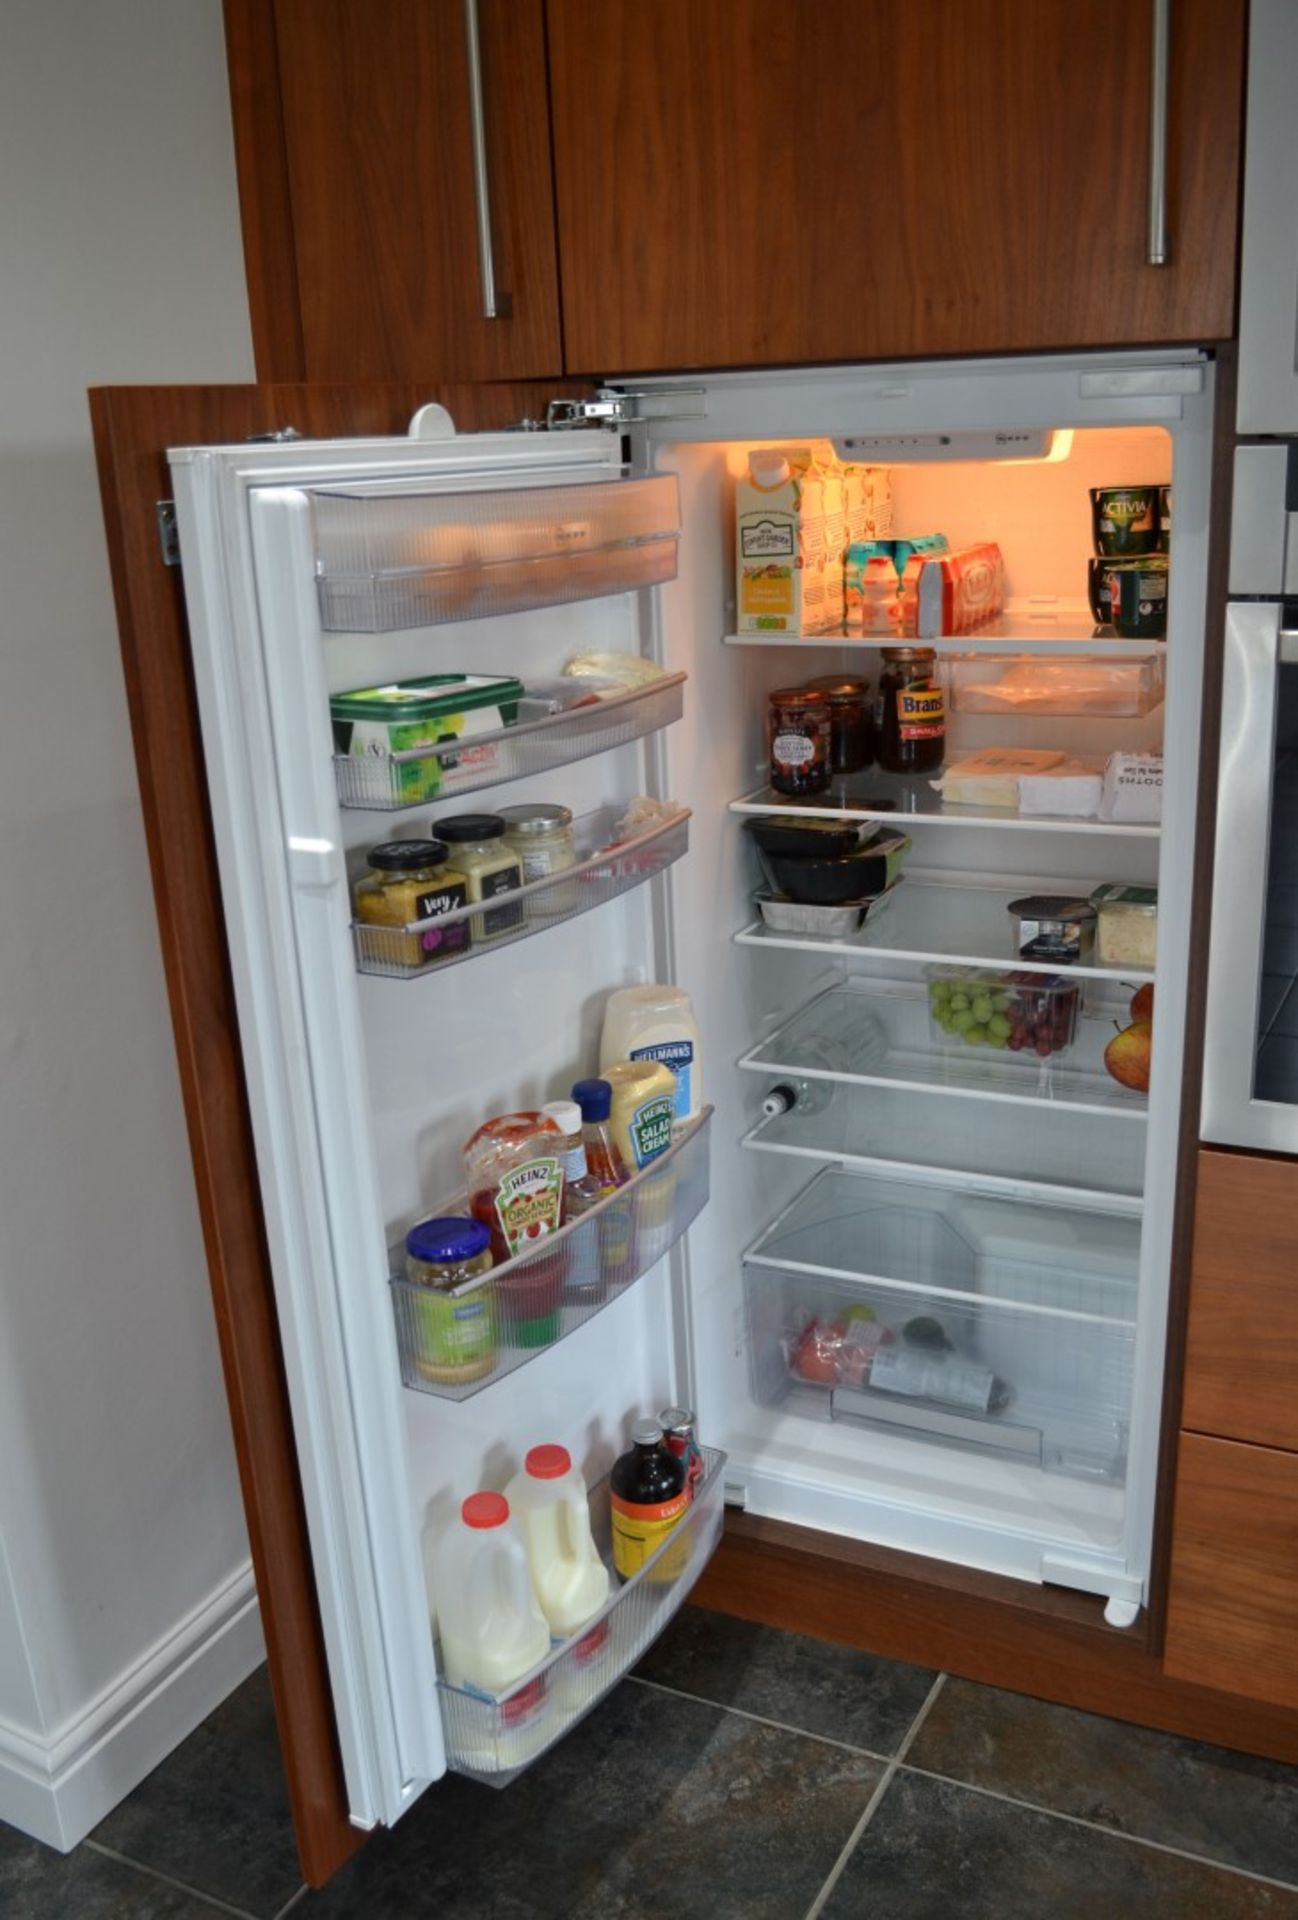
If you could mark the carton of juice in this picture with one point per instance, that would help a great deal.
(784, 573)
(868, 493)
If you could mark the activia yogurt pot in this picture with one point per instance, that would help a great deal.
(1124, 520)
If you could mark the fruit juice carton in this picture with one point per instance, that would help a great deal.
(869, 502)
(780, 559)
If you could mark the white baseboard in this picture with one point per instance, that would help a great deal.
(58, 1787)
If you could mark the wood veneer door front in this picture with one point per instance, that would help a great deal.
(759, 183)
(375, 193)
(1241, 1363)
(1232, 1619)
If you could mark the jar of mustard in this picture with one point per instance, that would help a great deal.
(477, 842)
(453, 1338)
(410, 881)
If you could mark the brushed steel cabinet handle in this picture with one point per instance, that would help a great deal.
(495, 305)
(1156, 249)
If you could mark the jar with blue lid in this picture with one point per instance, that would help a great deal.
(452, 1335)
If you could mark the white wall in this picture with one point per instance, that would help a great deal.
(119, 1509)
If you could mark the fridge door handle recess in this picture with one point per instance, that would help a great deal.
(1258, 645)
(1160, 28)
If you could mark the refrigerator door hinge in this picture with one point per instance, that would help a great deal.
(168, 536)
(734, 1494)
(618, 408)
(1123, 1593)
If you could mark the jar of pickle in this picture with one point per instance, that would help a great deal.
(851, 727)
(798, 730)
(452, 1335)
(910, 712)
(410, 881)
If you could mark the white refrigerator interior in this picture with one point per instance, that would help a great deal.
(1030, 1214)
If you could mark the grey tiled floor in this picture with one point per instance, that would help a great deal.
(740, 1774)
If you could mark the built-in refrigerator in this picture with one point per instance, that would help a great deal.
(1025, 1207)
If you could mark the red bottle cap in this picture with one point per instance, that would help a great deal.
(485, 1510)
(548, 1463)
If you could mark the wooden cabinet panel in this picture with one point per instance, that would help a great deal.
(1241, 1365)
(377, 148)
(1232, 1618)
(757, 182)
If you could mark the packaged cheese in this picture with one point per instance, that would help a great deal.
(990, 777)
(1072, 789)
(1133, 788)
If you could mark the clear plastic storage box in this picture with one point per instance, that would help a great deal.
(948, 1317)
(493, 1738)
(1116, 689)
(385, 561)
(1029, 1015)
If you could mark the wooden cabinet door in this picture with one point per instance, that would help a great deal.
(354, 134)
(755, 182)
(1241, 1361)
(1232, 1618)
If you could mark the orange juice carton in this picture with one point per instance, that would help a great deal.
(868, 492)
(784, 574)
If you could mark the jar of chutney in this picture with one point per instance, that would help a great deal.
(799, 732)
(851, 728)
(910, 712)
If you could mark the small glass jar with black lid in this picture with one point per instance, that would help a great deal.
(851, 725)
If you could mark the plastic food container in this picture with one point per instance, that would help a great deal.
(1031, 1014)
(1053, 926)
(1126, 926)
(812, 838)
(378, 722)
(1119, 689)
(830, 923)
(845, 877)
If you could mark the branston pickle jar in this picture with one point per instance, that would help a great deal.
(909, 712)
(799, 731)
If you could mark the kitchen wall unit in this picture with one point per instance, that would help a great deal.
(748, 184)
(355, 138)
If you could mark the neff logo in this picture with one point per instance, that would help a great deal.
(762, 538)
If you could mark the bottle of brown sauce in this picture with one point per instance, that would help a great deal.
(909, 712)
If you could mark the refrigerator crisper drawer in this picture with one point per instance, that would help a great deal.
(606, 867)
(385, 782)
(454, 1345)
(494, 1738)
(388, 561)
(979, 1323)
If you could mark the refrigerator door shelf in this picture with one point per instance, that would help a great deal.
(606, 867)
(493, 1738)
(388, 559)
(904, 802)
(936, 917)
(871, 1033)
(537, 1299)
(382, 784)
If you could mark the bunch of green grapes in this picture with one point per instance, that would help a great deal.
(973, 1009)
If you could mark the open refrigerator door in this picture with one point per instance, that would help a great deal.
(914, 1284)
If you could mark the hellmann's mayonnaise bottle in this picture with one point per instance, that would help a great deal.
(656, 1023)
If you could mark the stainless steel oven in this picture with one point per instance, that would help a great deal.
(1250, 1090)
